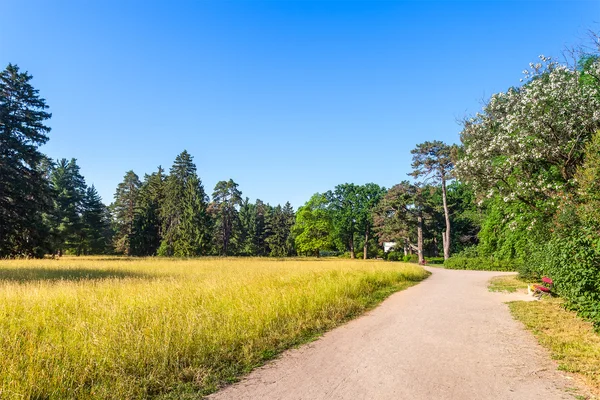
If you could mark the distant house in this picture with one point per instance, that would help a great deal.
(388, 246)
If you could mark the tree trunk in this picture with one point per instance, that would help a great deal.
(443, 240)
(436, 252)
(352, 253)
(420, 238)
(366, 246)
(446, 242)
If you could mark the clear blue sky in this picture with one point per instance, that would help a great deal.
(285, 98)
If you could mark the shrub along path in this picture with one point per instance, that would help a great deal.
(446, 338)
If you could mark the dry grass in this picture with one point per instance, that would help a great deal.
(571, 340)
(136, 328)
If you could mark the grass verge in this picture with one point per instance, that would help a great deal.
(571, 340)
(510, 284)
(98, 328)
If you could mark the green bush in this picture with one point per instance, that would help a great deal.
(411, 258)
(394, 256)
(434, 260)
(479, 264)
(573, 263)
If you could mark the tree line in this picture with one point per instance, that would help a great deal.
(46, 207)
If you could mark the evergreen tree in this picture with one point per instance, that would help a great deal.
(280, 226)
(24, 193)
(226, 197)
(185, 220)
(96, 223)
(123, 210)
(193, 237)
(247, 216)
(147, 221)
(66, 219)
(434, 160)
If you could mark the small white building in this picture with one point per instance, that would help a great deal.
(388, 246)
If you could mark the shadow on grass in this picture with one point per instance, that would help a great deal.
(67, 274)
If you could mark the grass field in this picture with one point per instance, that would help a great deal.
(136, 328)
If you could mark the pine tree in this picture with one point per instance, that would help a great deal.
(123, 210)
(69, 190)
(24, 193)
(280, 227)
(186, 225)
(147, 221)
(226, 198)
(96, 223)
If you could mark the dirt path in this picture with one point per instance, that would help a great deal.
(446, 338)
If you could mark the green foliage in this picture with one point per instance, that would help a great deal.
(148, 219)
(123, 210)
(411, 258)
(280, 224)
(314, 227)
(24, 192)
(573, 263)
(394, 255)
(69, 191)
(96, 224)
(434, 160)
(479, 264)
(435, 260)
(226, 200)
(184, 212)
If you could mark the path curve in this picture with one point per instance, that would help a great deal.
(445, 338)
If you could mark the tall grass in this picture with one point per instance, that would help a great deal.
(127, 329)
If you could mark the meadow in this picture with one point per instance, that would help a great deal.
(123, 328)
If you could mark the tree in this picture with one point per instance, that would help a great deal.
(434, 160)
(147, 221)
(186, 224)
(526, 143)
(96, 223)
(254, 220)
(369, 196)
(24, 193)
(344, 204)
(123, 210)
(399, 217)
(69, 193)
(314, 226)
(193, 238)
(280, 228)
(226, 199)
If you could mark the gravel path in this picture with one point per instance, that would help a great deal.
(446, 338)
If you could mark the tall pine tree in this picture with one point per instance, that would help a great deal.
(66, 219)
(226, 198)
(123, 210)
(96, 224)
(280, 227)
(147, 221)
(186, 225)
(24, 193)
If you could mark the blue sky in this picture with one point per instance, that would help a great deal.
(285, 98)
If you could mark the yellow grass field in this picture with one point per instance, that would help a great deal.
(121, 328)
